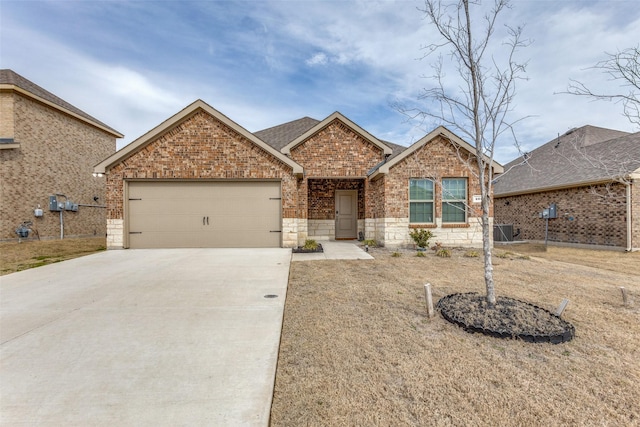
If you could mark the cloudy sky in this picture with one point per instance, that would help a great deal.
(262, 63)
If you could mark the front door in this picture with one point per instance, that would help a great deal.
(346, 214)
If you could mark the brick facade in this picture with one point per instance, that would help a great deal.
(335, 158)
(322, 197)
(56, 154)
(435, 160)
(201, 147)
(591, 215)
(198, 143)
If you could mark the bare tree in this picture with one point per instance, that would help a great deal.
(624, 67)
(477, 106)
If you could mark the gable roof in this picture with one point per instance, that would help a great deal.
(583, 156)
(323, 124)
(178, 118)
(383, 168)
(10, 80)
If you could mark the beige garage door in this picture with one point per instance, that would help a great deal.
(204, 214)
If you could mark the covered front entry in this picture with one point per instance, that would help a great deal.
(335, 208)
(209, 214)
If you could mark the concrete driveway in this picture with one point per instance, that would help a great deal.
(143, 337)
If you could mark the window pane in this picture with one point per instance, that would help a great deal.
(454, 189)
(420, 189)
(421, 212)
(453, 212)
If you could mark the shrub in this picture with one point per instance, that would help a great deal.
(420, 254)
(310, 244)
(471, 254)
(421, 237)
(370, 242)
(396, 254)
(444, 253)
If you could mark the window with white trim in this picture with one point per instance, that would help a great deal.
(420, 201)
(454, 200)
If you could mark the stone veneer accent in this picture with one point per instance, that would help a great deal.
(115, 233)
(322, 229)
(325, 229)
(394, 233)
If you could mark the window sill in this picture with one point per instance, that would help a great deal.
(458, 225)
(426, 225)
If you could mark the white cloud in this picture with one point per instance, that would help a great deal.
(279, 61)
(319, 58)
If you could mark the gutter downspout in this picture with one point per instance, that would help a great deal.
(629, 230)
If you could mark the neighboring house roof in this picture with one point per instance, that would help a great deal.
(281, 135)
(176, 119)
(383, 168)
(583, 156)
(10, 80)
(321, 125)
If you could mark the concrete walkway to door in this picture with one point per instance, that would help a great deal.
(335, 249)
(143, 337)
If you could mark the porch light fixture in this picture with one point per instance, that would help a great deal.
(98, 175)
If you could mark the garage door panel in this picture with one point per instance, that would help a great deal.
(204, 214)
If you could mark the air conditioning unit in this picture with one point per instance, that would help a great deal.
(503, 233)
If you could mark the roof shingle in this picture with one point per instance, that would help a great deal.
(581, 156)
(281, 135)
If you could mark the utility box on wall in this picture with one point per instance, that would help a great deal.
(70, 206)
(550, 213)
(54, 206)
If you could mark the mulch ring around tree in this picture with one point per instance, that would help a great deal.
(509, 318)
(303, 250)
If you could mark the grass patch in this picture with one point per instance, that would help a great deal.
(359, 328)
(444, 253)
(16, 256)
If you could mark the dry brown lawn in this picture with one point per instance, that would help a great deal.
(16, 256)
(358, 349)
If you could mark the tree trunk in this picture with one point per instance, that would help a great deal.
(488, 265)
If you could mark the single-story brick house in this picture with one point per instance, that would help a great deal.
(590, 174)
(49, 147)
(201, 180)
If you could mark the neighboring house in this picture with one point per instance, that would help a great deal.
(591, 174)
(48, 147)
(200, 179)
